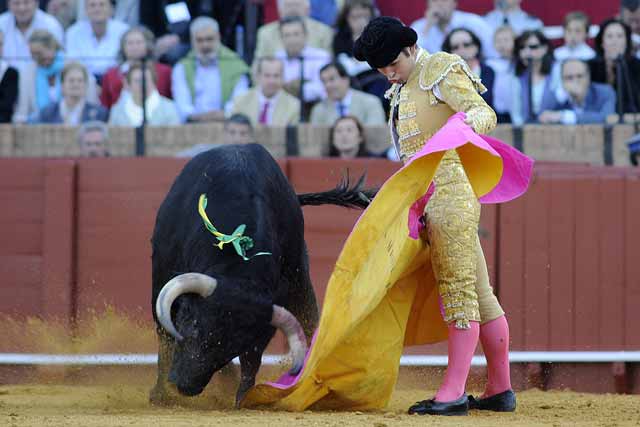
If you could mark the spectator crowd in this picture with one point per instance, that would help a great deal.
(90, 62)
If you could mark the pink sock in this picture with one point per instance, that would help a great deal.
(461, 345)
(494, 337)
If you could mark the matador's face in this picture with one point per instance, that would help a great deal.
(401, 68)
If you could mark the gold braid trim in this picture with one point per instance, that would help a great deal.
(438, 66)
(391, 92)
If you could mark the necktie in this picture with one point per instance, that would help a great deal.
(342, 110)
(263, 114)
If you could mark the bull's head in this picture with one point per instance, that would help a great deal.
(217, 326)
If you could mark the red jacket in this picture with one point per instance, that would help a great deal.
(112, 82)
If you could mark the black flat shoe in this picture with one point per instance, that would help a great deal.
(433, 407)
(501, 402)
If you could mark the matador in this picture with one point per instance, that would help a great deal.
(397, 283)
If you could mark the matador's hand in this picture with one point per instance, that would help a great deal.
(469, 121)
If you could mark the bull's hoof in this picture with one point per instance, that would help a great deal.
(160, 396)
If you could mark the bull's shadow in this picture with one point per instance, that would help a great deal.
(218, 296)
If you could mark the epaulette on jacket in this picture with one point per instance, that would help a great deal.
(435, 69)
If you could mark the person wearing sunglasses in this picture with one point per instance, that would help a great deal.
(534, 86)
(465, 43)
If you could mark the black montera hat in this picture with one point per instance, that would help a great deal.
(382, 41)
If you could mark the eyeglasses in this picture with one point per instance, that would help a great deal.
(571, 77)
(205, 39)
(532, 46)
(461, 45)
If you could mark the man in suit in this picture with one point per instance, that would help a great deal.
(302, 63)
(267, 103)
(587, 102)
(73, 109)
(342, 100)
(268, 37)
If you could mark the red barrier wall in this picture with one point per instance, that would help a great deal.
(36, 237)
(74, 236)
(568, 272)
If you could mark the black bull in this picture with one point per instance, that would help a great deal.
(210, 305)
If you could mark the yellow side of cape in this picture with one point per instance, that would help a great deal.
(381, 296)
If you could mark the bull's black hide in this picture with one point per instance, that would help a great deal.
(244, 185)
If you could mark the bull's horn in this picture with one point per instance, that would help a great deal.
(287, 322)
(196, 283)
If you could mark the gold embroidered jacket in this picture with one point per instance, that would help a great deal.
(440, 85)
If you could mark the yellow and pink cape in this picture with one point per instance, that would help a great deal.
(382, 294)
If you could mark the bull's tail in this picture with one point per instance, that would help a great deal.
(350, 197)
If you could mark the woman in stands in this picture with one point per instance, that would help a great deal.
(8, 87)
(466, 44)
(504, 68)
(533, 86)
(40, 80)
(614, 54)
(136, 44)
(353, 17)
(73, 108)
(347, 140)
(161, 111)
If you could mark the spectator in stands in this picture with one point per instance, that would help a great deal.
(504, 69)
(8, 87)
(324, 11)
(73, 109)
(296, 50)
(40, 79)
(95, 41)
(127, 11)
(17, 24)
(613, 50)
(136, 44)
(342, 100)
(468, 46)
(587, 102)
(509, 12)
(630, 15)
(354, 16)
(172, 34)
(128, 111)
(347, 140)
(209, 77)
(267, 103)
(441, 17)
(268, 38)
(93, 139)
(576, 31)
(504, 40)
(533, 87)
(238, 130)
(65, 11)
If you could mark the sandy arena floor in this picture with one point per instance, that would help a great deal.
(58, 405)
(65, 396)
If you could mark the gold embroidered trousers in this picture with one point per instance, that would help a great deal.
(452, 218)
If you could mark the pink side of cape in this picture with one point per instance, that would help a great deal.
(516, 172)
